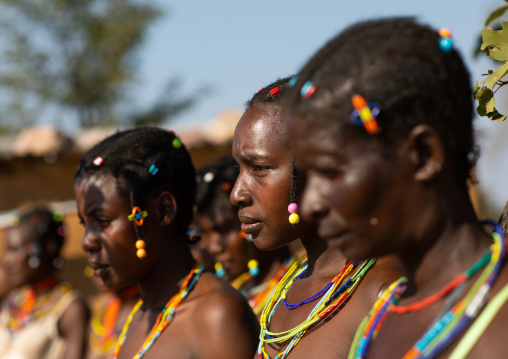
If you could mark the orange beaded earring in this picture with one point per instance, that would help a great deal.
(138, 216)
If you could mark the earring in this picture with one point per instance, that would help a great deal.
(294, 218)
(33, 250)
(219, 270)
(253, 267)
(141, 252)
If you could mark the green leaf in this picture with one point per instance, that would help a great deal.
(486, 104)
(495, 14)
(495, 43)
(492, 79)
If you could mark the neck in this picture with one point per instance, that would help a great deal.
(164, 281)
(269, 263)
(454, 249)
(322, 261)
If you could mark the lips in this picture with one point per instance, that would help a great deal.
(99, 270)
(250, 225)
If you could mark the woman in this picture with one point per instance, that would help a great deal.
(135, 192)
(381, 120)
(43, 317)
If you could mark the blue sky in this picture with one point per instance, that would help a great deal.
(237, 47)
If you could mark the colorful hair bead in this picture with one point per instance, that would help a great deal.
(274, 91)
(253, 267)
(219, 270)
(365, 114)
(176, 143)
(98, 161)
(261, 89)
(292, 81)
(153, 170)
(445, 42)
(58, 216)
(137, 216)
(294, 218)
(308, 89)
(226, 186)
(140, 246)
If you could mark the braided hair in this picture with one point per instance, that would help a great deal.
(46, 223)
(399, 65)
(132, 156)
(272, 98)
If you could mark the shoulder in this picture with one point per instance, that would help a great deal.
(385, 271)
(75, 315)
(222, 317)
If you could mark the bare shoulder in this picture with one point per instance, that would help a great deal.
(77, 314)
(386, 271)
(222, 318)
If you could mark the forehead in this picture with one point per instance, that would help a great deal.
(260, 134)
(99, 192)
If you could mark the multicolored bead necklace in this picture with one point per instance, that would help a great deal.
(454, 318)
(164, 317)
(334, 297)
(31, 302)
(258, 295)
(103, 333)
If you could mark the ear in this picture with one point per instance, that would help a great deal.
(426, 152)
(166, 208)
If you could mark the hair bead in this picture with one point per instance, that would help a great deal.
(294, 218)
(308, 89)
(274, 91)
(98, 161)
(137, 216)
(253, 266)
(364, 114)
(292, 81)
(176, 143)
(153, 170)
(445, 42)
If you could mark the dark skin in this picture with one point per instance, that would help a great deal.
(424, 218)
(262, 193)
(220, 228)
(72, 324)
(213, 320)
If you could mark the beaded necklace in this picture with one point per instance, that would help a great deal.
(31, 302)
(103, 333)
(240, 283)
(332, 299)
(164, 317)
(454, 318)
(258, 296)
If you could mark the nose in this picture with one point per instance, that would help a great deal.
(312, 204)
(90, 241)
(239, 195)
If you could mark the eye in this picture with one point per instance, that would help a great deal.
(259, 169)
(103, 221)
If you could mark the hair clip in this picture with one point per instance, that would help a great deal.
(365, 114)
(308, 89)
(176, 143)
(293, 81)
(445, 42)
(153, 170)
(98, 161)
(274, 91)
(137, 216)
(226, 186)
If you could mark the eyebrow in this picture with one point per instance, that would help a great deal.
(252, 157)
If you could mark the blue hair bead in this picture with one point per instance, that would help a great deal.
(446, 44)
(293, 81)
(153, 170)
(308, 89)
